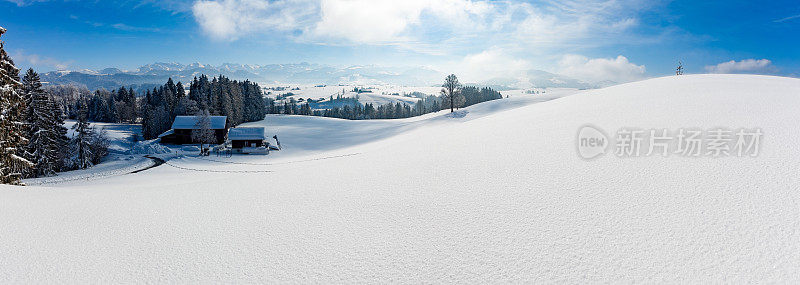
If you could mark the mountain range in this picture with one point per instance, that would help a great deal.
(151, 75)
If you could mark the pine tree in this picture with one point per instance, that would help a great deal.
(236, 115)
(59, 132)
(110, 107)
(205, 94)
(82, 139)
(12, 125)
(121, 105)
(194, 90)
(162, 121)
(87, 146)
(179, 92)
(272, 108)
(286, 109)
(45, 128)
(146, 111)
(130, 101)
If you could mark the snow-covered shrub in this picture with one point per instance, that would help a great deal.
(190, 148)
(149, 147)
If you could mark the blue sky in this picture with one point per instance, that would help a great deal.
(593, 40)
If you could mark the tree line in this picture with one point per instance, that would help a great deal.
(240, 101)
(452, 96)
(33, 139)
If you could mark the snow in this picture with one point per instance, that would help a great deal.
(496, 195)
(244, 133)
(114, 166)
(190, 148)
(190, 122)
(168, 132)
(120, 136)
(149, 147)
(379, 95)
(125, 155)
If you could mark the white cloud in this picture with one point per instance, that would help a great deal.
(496, 38)
(743, 66)
(418, 22)
(325, 21)
(118, 26)
(595, 70)
(781, 20)
(231, 19)
(21, 3)
(494, 62)
(576, 23)
(381, 22)
(38, 61)
(592, 23)
(364, 21)
(129, 28)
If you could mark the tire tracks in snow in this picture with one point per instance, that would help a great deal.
(280, 163)
(157, 162)
(249, 163)
(90, 175)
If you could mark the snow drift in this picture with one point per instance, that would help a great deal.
(496, 196)
(148, 147)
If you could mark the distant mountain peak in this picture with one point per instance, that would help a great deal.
(296, 73)
(293, 73)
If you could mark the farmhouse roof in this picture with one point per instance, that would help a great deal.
(190, 122)
(246, 133)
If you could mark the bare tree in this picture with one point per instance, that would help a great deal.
(202, 133)
(679, 70)
(451, 89)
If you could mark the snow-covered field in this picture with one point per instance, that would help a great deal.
(120, 136)
(125, 155)
(384, 94)
(493, 193)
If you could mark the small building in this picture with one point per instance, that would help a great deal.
(181, 132)
(247, 140)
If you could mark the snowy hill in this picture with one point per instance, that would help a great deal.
(493, 193)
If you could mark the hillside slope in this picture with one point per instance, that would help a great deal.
(498, 197)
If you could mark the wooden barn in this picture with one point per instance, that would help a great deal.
(247, 140)
(181, 132)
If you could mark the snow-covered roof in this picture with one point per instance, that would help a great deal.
(190, 122)
(252, 133)
(169, 132)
